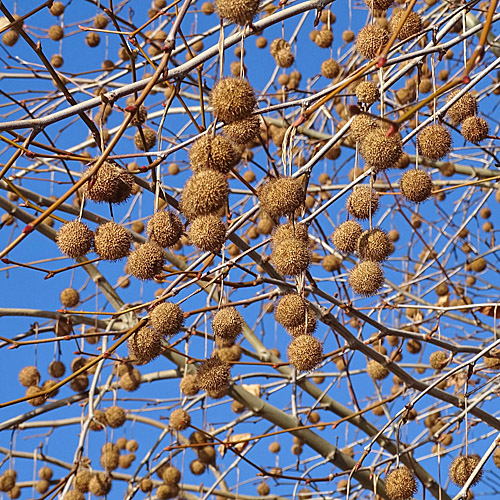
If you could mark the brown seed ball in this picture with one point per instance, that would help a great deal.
(462, 467)
(56, 60)
(57, 9)
(345, 237)
(145, 345)
(374, 245)
(146, 261)
(305, 352)
(292, 257)
(366, 278)
(205, 193)
(465, 106)
(291, 310)
(331, 263)
(416, 185)
(111, 184)
(278, 44)
(93, 39)
(361, 125)
(274, 447)
(165, 228)
(112, 241)
(130, 381)
(140, 115)
(125, 461)
(324, 38)
(263, 489)
(492, 362)
(376, 370)
(149, 140)
(370, 40)
(28, 376)
(330, 68)
(10, 38)
(110, 456)
(179, 420)
(284, 58)
(56, 33)
(100, 484)
(348, 36)
(189, 385)
(82, 480)
(237, 11)
(42, 486)
(35, 401)
(475, 129)
(146, 485)
(45, 473)
(438, 360)
(414, 346)
(411, 26)
(367, 92)
(8, 480)
(208, 233)
(290, 230)
(401, 484)
(280, 197)
(434, 142)
(216, 153)
(132, 445)
(379, 4)
(167, 318)
(228, 354)
(307, 327)
(115, 416)
(362, 202)
(171, 475)
(74, 239)
(227, 324)
(478, 265)
(233, 99)
(261, 42)
(101, 21)
(197, 467)
(381, 152)
(214, 376)
(69, 297)
(243, 131)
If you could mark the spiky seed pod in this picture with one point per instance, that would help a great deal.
(140, 115)
(146, 261)
(111, 184)
(165, 228)
(330, 68)
(233, 99)
(370, 40)
(361, 125)
(149, 140)
(416, 185)
(216, 153)
(376, 370)
(189, 385)
(227, 323)
(115, 416)
(290, 230)
(145, 345)
(374, 245)
(167, 491)
(74, 239)
(465, 106)
(79, 383)
(366, 278)
(308, 327)
(197, 467)
(112, 241)
(205, 193)
(475, 129)
(367, 92)
(331, 263)
(324, 38)
(35, 401)
(305, 352)
(379, 4)
(291, 310)
(284, 58)
(56, 33)
(411, 26)
(69, 297)
(434, 142)
(345, 237)
(208, 233)
(131, 380)
(278, 44)
(237, 11)
(438, 360)
(167, 318)
(171, 475)
(462, 467)
(179, 420)
(381, 152)
(227, 354)
(401, 484)
(362, 202)
(110, 456)
(243, 131)
(100, 484)
(292, 257)
(28, 376)
(214, 375)
(280, 197)
(74, 495)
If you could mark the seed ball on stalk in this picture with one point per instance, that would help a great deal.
(465, 106)
(411, 26)
(214, 375)
(401, 484)
(189, 385)
(305, 352)
(376, 370)
(361, 125)
(280, 197)
(197, 467)
(56, 369)
(379, 4)
(290, 230)
(475, 129)
(462, 467)
(330, 68)
(69, 297)
(233, 99)
(145, 345)
(237, 11)
(57, 9)
(146, 261)
(165, 228)
(362, 202)
(179, 420)
(243, 131)
(140, 115)
(284, 58)
(278, 44)
(434, 142)
(291, 310)
(208, 233)
(331, 263)
(100, 484)
(345, 237)
(115, 416)
(167, 491)
(35, 401)
(28, 376)
(374, 245)
(216, 153)
(111, 184)
(56, 60)
(131, 380)
(167, 318)
(438, 360)
(307, 327)
(206, 192)
(56, 33)
(370, 40)
(149, 140)
(416, 185)
(227, 354)
(366, 278)
(367, 92)
(93, 39)
(324, 38)
(227, 323)
(112, 241)
(110, 456)
(74, 239)
(10, 38)
(171, 475)
(292, 257)
(381, 152)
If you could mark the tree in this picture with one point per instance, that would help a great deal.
(307, 225)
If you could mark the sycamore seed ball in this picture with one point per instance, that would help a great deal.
(171, 475)
(111, 184)
(189, 385)
(280, 197)
(463, 108)
(214, 375)
(346, 236)
(208, 233)
(146, 261)
(376, 370)
(330, 68)
(115, 416)
(324, 38)
(112, 241)
(179, 420)
(411, 26)
(416, 185)
(28, 376)
(233, 99)
(401, 484)
(475, 129)
(434, 142)
(243, 131)
(69, 297)
(56, 369)
(100, 484)
(290, 230)
(379, 4)
(56, 33)
(165, 228)
(361, 125)
(367, 92)
(370, 40)
(167, 318)
(438, 360)
(362, 202)
(305, 352)
(216, 153)
(374, 245)
(197, 467)
(237, 11)
(145, 345)
(366, 278)
(291, 310)
(379, 151)
(292, 257)
(227, 323)
(462, 467)
(307, 327)
(74, 239)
